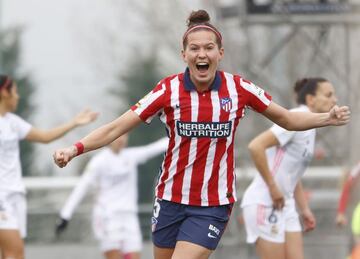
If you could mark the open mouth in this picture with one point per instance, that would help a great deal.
(202, 66)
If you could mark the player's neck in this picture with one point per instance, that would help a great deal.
(3, 110)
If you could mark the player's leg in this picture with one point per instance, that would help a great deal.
(268, 250)
(293, 232)
(132, 255)
(11, 243)
(163, 253)
(189, 250)
(165, 222)
(132, 243)
(108, 231)
(294, 245)
(113, 254)
(12, 225)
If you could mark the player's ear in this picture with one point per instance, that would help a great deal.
(183, 56)
(222, 53)
(310, 100)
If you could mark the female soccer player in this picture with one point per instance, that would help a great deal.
(341, 219)
(12, 190)
(281, 157)
(113, 174)
(201, 109)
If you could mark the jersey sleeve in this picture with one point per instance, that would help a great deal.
(256, 97)
(344, 196)
(144, 153)
(21, 126)
(87, 180)
(151, 104)
(281, 134)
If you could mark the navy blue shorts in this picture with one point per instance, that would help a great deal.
(172, 222)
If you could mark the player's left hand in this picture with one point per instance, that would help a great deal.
(84, 117)
(309, 220)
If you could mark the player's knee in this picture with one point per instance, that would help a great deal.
(14, 253)
(17, 256)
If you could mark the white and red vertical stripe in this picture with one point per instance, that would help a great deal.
(199, 171)
(345, 193)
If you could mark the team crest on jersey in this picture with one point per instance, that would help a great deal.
(226, 104)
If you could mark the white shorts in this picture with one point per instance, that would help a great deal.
(118, 231)
(13, 212)
(268, 224)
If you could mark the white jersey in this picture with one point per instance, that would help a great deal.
(287, 163)
(12, 130)
(114, 175)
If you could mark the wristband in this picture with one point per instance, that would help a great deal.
(79, 148)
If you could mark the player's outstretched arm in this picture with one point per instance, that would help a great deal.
(299, 121)
(46, 136)
(98, 138)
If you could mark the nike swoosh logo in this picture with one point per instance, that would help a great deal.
(211, 236)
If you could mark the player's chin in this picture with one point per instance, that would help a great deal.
(204, 77)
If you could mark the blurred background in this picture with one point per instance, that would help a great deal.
(106, 54)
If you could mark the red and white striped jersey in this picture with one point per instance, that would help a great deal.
(198, 168)
(350, 183)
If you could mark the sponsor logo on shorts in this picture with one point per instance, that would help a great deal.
(211, 235)
(214, 231)
(204, 129)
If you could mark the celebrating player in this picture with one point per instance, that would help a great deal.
(201, 109)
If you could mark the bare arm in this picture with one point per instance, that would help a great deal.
(257, 149)
(99, 137)
(46, 136)
(299, 121)
(300, 197)
(305, 211)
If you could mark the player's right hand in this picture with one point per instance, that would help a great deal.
(341, 219)
(60, 226)
(309, 220)
(277, 197)
(339, 115)
(64, 155)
